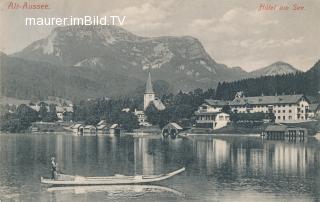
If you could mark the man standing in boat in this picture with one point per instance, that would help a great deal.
(54, 166)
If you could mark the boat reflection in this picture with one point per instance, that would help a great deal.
(119, 190)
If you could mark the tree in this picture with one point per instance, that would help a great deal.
(153, 115)
(226, 109)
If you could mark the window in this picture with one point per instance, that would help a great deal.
(290, 111)
(279, 117)
(284, 117)
(283, 105)
(279, 111)
(290, 117)
(290, 105)
(301, 111)
(301, 117)
(283, 111)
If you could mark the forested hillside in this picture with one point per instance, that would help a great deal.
(301, 82)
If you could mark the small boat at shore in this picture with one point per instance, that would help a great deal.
(109, 180)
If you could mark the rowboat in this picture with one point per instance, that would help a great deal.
(109, 180)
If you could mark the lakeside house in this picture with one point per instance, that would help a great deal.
(213, 120)
(63, 107)
(286, 108)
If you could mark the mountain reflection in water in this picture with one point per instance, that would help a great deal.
(223, 169)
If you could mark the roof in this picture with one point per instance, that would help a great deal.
(114, 126)
(102, 122)
(101, 126)
(207, 113)
(216, 102)
(149, 89)
(76, 125)
(89, 126)
(276, 128)
(278, 99)
(158, 104)
(174, 125)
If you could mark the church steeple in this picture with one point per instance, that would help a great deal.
(149, 89)
(149, 95)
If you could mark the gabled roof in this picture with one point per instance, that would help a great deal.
(279, 99)
(101, 126)
(220, 103)
(149, 89)
(158, 104)
(76, 125)
(102, 122)
(173, 125)
(89, 126)
(114, 126)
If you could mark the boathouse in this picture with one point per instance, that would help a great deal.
(102, 129)
(171, 129)
(89, 130)
(76, 128)
(115, 129)
(280, 131)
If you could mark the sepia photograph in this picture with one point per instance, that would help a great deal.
(148, 100)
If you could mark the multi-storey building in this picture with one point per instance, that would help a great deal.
(286, 108)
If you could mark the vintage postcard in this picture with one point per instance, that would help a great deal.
(148, 100)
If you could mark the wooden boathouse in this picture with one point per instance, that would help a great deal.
(280, 132)
(171, 129)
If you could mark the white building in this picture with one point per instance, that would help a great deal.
(213, 120)
(286, 108)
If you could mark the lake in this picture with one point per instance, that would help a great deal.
(223, 168)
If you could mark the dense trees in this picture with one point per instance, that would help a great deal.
(91, 112)
(302, 82)
(178, 107)
(20, 120)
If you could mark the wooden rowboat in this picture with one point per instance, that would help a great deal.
(110, 180)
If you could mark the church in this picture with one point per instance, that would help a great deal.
(150, 97)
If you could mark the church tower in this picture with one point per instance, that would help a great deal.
(149, 95)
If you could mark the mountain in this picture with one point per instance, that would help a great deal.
(180, 61)
(28, 79)
(277, 68)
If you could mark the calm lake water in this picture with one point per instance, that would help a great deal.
(217, 169)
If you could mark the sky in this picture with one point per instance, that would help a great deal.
(233, 32)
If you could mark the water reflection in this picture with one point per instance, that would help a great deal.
(275, 157)
(215, 167)
(125, 190)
